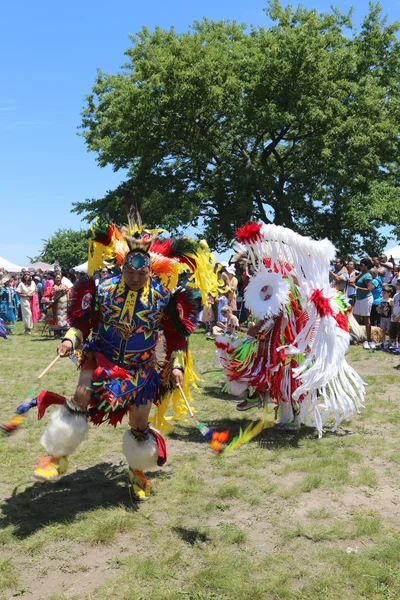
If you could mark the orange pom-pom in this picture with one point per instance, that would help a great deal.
(216, 446)
(221, 436)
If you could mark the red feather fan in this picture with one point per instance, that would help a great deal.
(81, 312)
(249, 233)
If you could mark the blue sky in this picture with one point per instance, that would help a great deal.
(49, 53)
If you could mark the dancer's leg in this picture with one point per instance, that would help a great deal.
(141, 450)
(67, 429)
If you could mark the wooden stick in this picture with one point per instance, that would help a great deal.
(186, 401)
(53, 362)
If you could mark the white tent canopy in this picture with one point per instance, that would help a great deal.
(9, 266)
(40, 265)
(395, 252)
(83, 268)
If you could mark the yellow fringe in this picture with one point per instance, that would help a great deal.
(159, 420)
(204, 277)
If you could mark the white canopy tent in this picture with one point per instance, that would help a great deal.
(9, 266)
(83, 268)
(40, 265)
(395, 252)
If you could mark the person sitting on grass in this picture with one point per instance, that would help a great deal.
(232, 323)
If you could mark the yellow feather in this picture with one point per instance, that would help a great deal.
(174, 399)
(251, 431)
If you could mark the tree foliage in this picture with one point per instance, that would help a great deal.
(65, 247)
(297, 124)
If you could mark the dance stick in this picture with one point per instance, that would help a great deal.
(53, 362)
(17, 419)
(186, 400)
(214, 438)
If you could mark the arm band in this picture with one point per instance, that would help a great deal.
(75, 336)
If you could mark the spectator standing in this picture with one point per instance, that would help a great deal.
(375, 287)
(48, 281)
(233, 284)
(364, 299)
(383, 259)
(208, 315)
(376, 262)
(26, 291)
(385, 312)
(104, 273)
(339, 277)
(57, 298)
(8, 305)
(395, 276)
(395, 321)
(351, 290)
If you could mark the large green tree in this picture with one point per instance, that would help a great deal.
(297, 124)
(66, 247)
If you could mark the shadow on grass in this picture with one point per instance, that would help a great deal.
(60, 502)
(216, 393)
(270, 438)
(191, 536)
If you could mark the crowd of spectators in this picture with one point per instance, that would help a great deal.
(222, 313)
(35, 295)
(373, 289)
(371, 285)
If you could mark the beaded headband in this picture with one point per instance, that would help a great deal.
(137, 260)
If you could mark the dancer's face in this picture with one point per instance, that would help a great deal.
(135, 279)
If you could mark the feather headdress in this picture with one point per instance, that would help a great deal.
(168, 258)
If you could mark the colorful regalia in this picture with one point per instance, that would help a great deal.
(116, 334)
(8, 306)
(296, 354)
(57, 297)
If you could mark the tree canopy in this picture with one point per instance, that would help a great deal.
(66, 247)
(296, 124)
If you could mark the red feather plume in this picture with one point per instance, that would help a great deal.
(249, 233)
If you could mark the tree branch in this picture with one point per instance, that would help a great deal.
(260, 207)
(272, 145)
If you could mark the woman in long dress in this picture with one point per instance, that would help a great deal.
(28, 297)
(57, 297)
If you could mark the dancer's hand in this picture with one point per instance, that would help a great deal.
(252, 331)
(177, 377)
(65, 348)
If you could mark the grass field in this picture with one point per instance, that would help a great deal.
(287, 517)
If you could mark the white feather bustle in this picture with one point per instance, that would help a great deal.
(64, 433)
(260, 305)
(140, 455)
